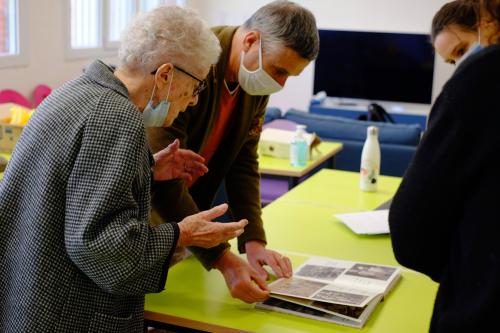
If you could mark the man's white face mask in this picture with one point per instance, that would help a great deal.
(257, 82)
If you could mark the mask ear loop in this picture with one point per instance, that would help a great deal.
(152, 94)
(168, 93)
(260, 58)
(260, 52)
(170, 85)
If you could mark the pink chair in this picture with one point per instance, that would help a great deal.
(12, 96)
(41, 91)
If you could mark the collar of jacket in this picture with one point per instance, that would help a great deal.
(104, 75)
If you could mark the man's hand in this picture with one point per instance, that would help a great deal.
(172, 163)
(198, 230)
(258, 256)
(242, 280)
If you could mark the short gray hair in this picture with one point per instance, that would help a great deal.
(284, 23)
(169, 34)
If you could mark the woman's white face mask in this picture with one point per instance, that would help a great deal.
(257, 82)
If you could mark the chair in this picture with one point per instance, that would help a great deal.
(41, 91)
(12, 96)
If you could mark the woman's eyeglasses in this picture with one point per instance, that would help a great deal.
(202, 84)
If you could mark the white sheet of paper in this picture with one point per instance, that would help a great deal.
(367, 223)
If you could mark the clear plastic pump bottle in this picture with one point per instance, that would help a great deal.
(298, 148)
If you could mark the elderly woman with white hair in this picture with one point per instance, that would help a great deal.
(77, 252)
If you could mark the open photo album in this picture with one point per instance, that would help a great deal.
(342, 292)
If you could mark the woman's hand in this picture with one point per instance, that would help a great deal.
(199, 230)
(172, 163)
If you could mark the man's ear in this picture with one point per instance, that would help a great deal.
(163, 73)
(249, 39)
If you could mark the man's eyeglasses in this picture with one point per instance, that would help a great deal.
(202, 84)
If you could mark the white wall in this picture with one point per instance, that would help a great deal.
(48, 63)
(47, 59)
(409, 16)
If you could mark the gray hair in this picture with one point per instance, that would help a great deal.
(284, 23)
(168, 34)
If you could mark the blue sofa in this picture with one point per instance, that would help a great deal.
(398, 142)
(272, 113)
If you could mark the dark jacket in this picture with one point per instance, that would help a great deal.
(235, 159)
(444, 218)
(77, 253)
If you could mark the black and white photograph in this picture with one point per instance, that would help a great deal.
(297, 287)
(371, 271)
(320, 272)
(334, 296)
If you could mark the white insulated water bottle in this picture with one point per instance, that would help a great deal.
(370, 161)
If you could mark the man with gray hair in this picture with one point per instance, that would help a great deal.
(277, 41)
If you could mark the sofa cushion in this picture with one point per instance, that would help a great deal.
(272, 113)
(339, 128)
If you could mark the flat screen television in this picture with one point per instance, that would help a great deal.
(396, 67)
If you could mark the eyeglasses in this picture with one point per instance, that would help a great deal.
(202, 84)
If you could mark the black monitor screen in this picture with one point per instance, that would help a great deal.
(375, 66)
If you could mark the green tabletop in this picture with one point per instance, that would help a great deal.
(281, 166)
(300, 227)
(339, 190)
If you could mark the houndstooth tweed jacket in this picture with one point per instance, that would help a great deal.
(77, 253)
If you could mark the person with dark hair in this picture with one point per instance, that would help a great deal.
(444, 217)
(455, 28)
(278, 41)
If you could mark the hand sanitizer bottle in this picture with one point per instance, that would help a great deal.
(370, 161)
(298, 148)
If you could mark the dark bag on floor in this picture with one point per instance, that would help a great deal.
(377, 113)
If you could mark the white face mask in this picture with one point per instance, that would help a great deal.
(155, 116)
(257, 82)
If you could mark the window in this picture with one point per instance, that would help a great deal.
(96, 25)
(85, 24)
(8, 27)
(123, 12)
(12, 45)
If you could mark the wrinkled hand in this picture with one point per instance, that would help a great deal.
(242, 280)
(259, 256)
(172, 163)
(198, 230)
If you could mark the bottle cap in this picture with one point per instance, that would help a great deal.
(372, 130)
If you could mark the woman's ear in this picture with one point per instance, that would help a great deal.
(163, 73)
